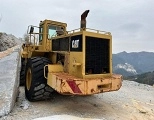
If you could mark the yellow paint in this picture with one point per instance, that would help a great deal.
(55, 68)
(58, 81)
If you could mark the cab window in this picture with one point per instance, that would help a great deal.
(52, 30)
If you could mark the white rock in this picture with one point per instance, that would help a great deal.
(65, 117)
(24, 104)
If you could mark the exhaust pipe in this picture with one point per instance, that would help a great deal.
(83, 20)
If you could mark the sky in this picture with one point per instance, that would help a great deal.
(131, 22)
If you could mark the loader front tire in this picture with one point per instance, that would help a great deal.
(36, 87)
(22, 72)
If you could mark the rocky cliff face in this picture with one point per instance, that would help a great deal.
(129, 64)
(8, 41)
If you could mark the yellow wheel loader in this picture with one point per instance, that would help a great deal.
(77, 62)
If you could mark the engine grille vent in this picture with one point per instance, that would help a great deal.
(97, 56)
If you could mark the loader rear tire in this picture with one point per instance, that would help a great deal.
(22, 72)
(36, 87)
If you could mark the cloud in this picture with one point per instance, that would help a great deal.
(131, 27)
(130, 22)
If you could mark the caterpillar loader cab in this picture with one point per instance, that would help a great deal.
(77, 62)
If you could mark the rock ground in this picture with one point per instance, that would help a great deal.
(133, 101)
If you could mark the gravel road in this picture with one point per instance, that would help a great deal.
(133, 101)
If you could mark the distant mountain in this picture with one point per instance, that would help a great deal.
(133, 63)
(145, 78)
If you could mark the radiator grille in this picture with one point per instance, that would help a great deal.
(97, 56)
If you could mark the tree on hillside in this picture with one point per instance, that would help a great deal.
(145, 78)
(26, 38)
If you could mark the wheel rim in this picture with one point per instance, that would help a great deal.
(28, 78)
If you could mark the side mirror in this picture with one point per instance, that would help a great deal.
(31, 30)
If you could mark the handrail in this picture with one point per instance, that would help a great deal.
(31, 26)
(34, 37)
(89, 30)
(34, 40)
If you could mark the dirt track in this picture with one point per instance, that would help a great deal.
(132, 102)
